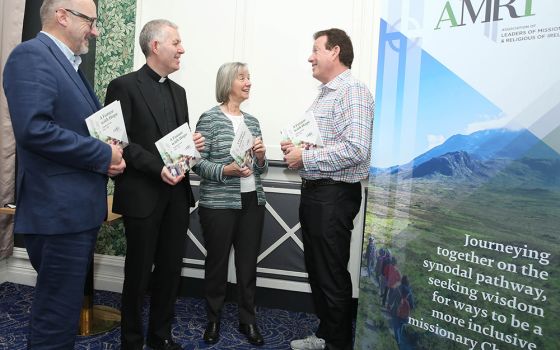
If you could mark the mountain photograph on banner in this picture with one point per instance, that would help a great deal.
(461, 246)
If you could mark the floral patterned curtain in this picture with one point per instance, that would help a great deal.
(114, 56)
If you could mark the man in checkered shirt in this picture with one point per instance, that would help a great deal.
(331, 188)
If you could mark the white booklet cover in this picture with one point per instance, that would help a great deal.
(107, 125)
(242, 146)
(178, 151)
(304, 133)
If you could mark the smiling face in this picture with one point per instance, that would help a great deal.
(79, 31)
(241, 86)
(168, 50)
(322, 60)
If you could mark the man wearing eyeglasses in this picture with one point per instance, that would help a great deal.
(62, 171)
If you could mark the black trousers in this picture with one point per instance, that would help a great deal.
(223, 228)
(326, 215)
(159, 241)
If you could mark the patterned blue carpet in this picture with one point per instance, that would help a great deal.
(278, 327)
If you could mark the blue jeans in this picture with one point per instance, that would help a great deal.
(398, 325)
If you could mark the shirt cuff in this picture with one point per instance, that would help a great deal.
(309, 159)
(221, 176)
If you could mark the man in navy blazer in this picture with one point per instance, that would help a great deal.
(62, 171)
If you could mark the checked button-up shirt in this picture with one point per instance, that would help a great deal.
(344, 113)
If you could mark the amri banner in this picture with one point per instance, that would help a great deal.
(461, 248)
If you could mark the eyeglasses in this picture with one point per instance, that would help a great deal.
(92, 20)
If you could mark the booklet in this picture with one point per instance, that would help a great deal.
(242, 146)
(178, 151)
(304, 133)
(107, 125)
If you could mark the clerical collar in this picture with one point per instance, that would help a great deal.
(154, 75)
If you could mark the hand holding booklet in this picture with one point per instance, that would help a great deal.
(178, 151)
(107, 125)
(304, 133)
(242, 146)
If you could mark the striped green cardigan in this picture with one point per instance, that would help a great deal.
(218, 191)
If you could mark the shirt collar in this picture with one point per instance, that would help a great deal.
(156, 77)
(75, 60)
(335, 83)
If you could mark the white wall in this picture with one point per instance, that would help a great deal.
(274, 38)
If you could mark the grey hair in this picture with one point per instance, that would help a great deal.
(153, 30)
(224, 79)
(48, 7)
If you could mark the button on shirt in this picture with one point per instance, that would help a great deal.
(344, 113)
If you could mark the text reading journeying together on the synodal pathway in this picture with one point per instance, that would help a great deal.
(496, 301)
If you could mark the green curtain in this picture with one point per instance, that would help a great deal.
(114, 57)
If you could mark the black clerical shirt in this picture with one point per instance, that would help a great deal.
(163, 91)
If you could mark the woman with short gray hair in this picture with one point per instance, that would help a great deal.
(232, 201)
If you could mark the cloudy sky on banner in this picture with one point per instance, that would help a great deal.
(462, 78)
(475, 51)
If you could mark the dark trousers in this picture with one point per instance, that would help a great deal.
(61, 262)
(326, 214)
(159, 241)
(398, 326)
(223, 228)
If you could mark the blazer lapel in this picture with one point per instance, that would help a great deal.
(73, 75)
(151, 100)
(89, 89)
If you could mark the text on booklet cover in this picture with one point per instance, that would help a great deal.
(242, 146)
(304, 133)
(107, 125)
(177, 150)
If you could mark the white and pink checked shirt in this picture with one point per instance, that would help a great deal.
(344, 113)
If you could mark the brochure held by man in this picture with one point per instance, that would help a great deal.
(242, 146)
(178, 151)
(107, 125)
(304, 133)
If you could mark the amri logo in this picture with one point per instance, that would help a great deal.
(492, 8)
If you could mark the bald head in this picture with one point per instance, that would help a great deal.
(71, 21)
(48, 9)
